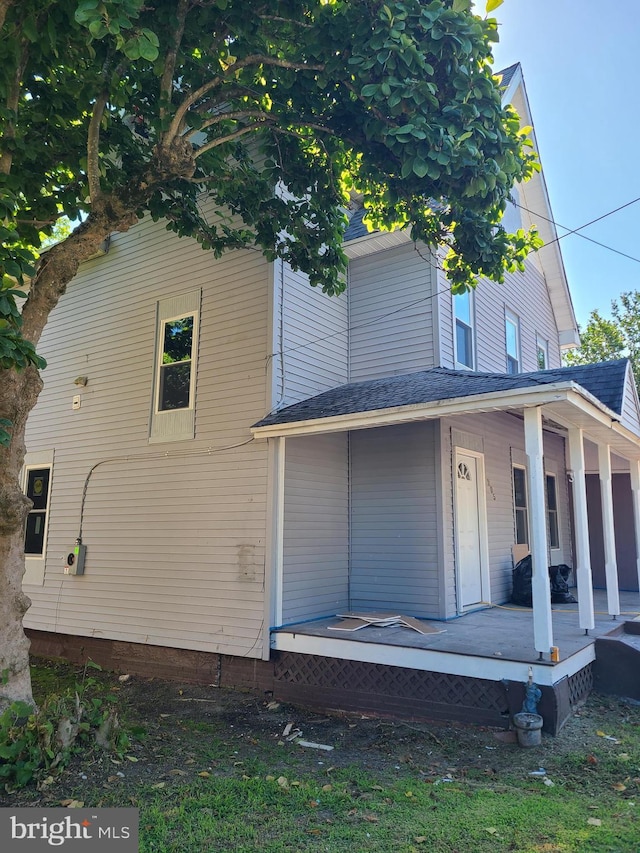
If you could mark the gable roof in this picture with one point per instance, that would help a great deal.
(604, 381)
(358, 240)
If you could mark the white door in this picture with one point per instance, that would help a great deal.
(468, 532)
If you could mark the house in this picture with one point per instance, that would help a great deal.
(244, 458)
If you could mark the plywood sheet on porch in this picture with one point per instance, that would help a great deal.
(498, 633)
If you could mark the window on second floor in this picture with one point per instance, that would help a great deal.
(542, 353)
(174, 389)
(512, 336)
(464, 329)
(175, 368)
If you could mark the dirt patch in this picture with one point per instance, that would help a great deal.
(180, 731)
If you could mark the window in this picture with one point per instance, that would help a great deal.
(174, 389)
(38, 492)
(542, 353)
(463, 311)
(175, 371)
(552, 511)
(512, 334)
(521, 509)
(36, 484)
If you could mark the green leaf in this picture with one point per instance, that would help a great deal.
(148, 50)
(461, 5)
(420, 167)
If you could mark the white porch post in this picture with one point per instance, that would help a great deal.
(583, 557)
(634, 465)
(540, 587)
(608, 531)
(275, 536)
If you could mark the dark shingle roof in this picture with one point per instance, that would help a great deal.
(605, 381)
(356, 228)
(507, 74)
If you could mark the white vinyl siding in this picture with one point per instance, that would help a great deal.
(394, 546)
(175, 534)
(391, 313)
(526, 295)
(310, 346)
(316, 529)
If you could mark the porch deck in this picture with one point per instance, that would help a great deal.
(495, 642)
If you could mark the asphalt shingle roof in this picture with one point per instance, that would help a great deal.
(605, 381)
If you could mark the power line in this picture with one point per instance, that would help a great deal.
(576, 231)
(448, 289)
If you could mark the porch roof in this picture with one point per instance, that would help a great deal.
(590, 396)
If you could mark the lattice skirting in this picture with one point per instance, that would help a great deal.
(580, 686)
(354, 686)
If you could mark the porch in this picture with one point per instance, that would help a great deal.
(474, 670)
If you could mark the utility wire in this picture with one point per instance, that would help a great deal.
(592, 222)
(576, 231)
(382, 317)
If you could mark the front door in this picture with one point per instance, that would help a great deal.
(468, 529)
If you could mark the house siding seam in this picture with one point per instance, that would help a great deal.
(391, 313)
(316, 536)
(526, 295)
(314, 339)
(175, 542)
(394, 549)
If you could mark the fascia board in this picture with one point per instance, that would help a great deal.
(376, 241)
(477, 403)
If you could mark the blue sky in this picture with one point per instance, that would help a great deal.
(581, 70)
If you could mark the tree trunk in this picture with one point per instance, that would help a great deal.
(19, 392)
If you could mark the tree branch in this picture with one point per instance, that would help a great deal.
(13, 99)
(93, 146)
(215, 143)
(166, 82)
(253, 59)
(286, 21)
(5, 5)
(238, 114)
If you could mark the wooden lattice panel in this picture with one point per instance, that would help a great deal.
(580, 685)
(356, 676)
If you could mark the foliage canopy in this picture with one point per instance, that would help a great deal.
(111, 109)
(604, 339)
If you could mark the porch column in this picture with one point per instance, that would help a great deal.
(275, 536)
(540, 587)
(634, 465)
(608, 531)
(583, 557)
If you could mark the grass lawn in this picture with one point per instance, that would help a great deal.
(212, 770)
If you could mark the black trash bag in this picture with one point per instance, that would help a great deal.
(521, 592)
(559, 577)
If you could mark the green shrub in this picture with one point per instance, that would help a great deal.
(34, 742)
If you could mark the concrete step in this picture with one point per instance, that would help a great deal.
(616, 669)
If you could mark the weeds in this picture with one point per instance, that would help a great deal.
(35, 742)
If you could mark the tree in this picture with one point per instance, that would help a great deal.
(276, 110)
(605, 339)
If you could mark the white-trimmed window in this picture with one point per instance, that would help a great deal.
(36, 483)
(512, 338)
(520, 505)
(542, 353)
(173, 411)
(553, 528)
(464, 330)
